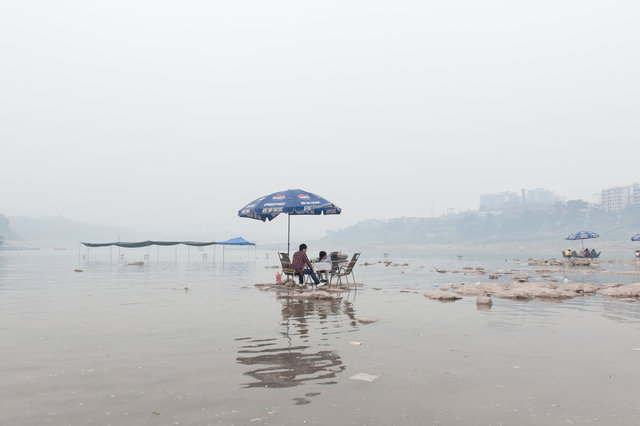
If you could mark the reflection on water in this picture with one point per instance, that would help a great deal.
(290, 360)
(290, 366)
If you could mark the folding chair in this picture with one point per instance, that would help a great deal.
(287, 268)
(345, 272)
(335, 267)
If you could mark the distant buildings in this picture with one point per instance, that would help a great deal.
(610, 199)
(538, 196)
(498, 201)
(620, 197)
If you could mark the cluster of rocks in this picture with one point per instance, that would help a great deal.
(289, 285)
(545, 262)
(466, 270)
(630, 292)
(525, 291)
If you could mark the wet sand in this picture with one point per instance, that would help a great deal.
(200, 343)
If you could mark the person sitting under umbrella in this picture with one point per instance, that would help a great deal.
(323, 258)
(299, 261)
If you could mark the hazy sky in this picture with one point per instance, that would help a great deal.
(168, 117)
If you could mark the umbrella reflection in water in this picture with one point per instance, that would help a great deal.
(286, 364)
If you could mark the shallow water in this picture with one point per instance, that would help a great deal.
(191, 340)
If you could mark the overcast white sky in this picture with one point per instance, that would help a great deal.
(168, 117)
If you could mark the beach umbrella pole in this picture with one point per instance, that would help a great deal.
(288, 232)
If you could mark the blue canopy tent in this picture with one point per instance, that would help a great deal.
(237, 241)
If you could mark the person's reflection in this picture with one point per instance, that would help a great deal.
(292, 365)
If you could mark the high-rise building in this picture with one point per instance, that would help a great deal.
(634, 197)
(616, 198)
(539, 196)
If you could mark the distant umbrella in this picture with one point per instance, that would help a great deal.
(635, 237)
(582, 235)
(291, 201)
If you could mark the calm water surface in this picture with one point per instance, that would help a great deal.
(187, 339)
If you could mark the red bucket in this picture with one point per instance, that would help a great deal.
(278, 276)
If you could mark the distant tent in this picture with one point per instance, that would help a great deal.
(148, 243)
(237, 241)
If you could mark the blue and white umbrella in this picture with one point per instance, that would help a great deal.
(290, 202)
(582, 235)
(635, 237)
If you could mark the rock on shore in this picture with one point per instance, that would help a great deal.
(442, 297)
(622, 291)
(526, 290)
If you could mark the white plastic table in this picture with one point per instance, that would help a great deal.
(322, 267)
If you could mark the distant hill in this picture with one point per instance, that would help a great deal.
(62, 232)
(5, 230)
(516, 226)
(521, 226)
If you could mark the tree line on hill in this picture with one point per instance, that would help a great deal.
(515, 225)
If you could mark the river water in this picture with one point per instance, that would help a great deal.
(188, 339)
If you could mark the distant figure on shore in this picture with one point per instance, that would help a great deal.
(587, 253)
(637, 254)
(567, 253)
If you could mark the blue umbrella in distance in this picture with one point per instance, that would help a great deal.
(289, 202)
(582, 235)
(635, 237)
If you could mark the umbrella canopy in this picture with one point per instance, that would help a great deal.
(290, 202)
(635, 237)
(582, 235)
